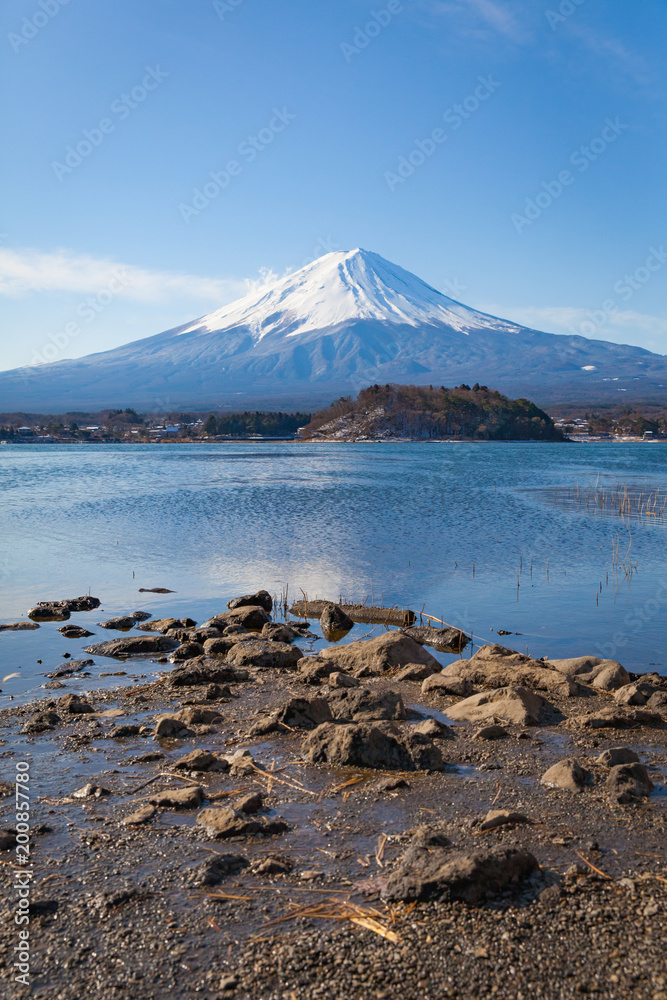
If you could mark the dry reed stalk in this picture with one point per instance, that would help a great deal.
(345, 784)
(599, 872)
(294, 784)
(342, 910)
(434, 619)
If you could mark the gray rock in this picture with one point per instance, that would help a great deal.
(49, 611)
(250, 617)
(133, 645)
(568, 774)
(634, 694)
(204, 670)
(221, 823)
(495, 666)
(250, 803)
(91, 791)
(264, 654)
(122, 732)
(22, 627)
(658, 701)
(85, 603)
(272, 865)
(416, 672)
(41, 722)
(387, 652)
(179, 798)
(583, 668)
(74, 704)
(7, 839)
(617, 755)
(170, 725)
(391, 784)
(628, 783)
(276, 632)
(123, 623)
(610, 718)
(297, 713)
(261, 599)
(512, 704)
(314, 669)
(334, 622)
(339, 679)
(200, 634)
(218, 692)
(502, 817)
(445, 684)
(491, 733)
(161, 625)
(142, 815)
(215, 869)
(438, 873)
(611, 678)
(434, 729)
(187, 651)
(363, 745)
(72, 631)
(364, 705)
(241, 763)
(61, 610)
(218, 646)
(200, 760)
(70, 667)
(333, 617)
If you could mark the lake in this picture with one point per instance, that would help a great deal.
(485, 536)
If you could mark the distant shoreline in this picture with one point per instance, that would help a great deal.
(292, 440)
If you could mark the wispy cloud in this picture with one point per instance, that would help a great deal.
(485, 19)
(28, 271)
(622, 326)
(519, 23)
(622, 62)
(504, 18)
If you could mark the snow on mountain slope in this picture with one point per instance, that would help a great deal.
(337, 325)
(338, 288)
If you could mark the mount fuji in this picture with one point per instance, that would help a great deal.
(342, 322)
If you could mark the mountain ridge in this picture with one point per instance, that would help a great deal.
(338, 324)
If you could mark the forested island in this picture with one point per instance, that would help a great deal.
(380, 412)
(385, 412)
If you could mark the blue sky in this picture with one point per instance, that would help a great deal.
(318, 121)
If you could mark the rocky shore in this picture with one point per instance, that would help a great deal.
(263, 821)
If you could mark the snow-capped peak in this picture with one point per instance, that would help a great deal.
(340, 287)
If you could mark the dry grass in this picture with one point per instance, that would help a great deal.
(370, 918)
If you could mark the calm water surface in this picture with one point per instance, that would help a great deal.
(450, 528)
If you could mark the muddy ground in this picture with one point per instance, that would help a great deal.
(121, 911)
